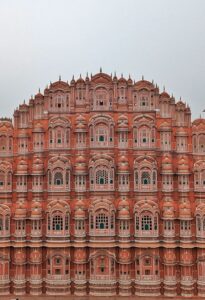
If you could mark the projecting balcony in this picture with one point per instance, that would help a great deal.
(58, 279)
(124, 279)
(147, 279)
(102, 233)
(58, 236)
(201, 280)
(169, 233)
(20, 235)
(80, 279)
(185, 234)
(170, 280)
(4, 279)
(124, 188)
(19, 279)
(199, 188)
(4, 236)
(58, 189)
(35, 279)
(187, 280)
(36, 234)
(102, 279)
(21, 188)
(37, 189)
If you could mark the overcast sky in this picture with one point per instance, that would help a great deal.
(162, 39)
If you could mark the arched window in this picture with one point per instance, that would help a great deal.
(2, 179)
(101, 221)
(58, 178)
(145, 178)
(57, 222)
(146, 223)
(102, 177)
(201, 139)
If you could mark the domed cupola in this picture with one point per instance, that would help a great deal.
(123, 165)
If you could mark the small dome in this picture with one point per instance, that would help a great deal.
(167, 164)
(36, 210)
(185, 210)
(183, 165)
(123, 203)
(20, 212)
(80, 165)
(122, 122)
(22, 166)
(80, 80)
(37, 165)
(79, 213)
(164, 95)
(168, 210)
(124, 213)
(123, 164)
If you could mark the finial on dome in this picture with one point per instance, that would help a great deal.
(121, 75)
(39, 90)
(100, 69)
(142, 77)
(152, 81)
(129, 76)
(59, 77)
(164, 88)
(73, 78)
(24, 102)
(86, 74)
(80, 76)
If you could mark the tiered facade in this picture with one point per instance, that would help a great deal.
(102, 192)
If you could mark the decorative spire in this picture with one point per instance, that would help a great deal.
(121, 75)
(142, 77)
(164, 88)
(39, 90)
(59, 77)
(100, 69)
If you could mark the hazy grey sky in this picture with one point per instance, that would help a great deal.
(162, 39)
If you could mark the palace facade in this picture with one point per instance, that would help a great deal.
(102, 192)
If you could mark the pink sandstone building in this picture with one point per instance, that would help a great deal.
(102, 192)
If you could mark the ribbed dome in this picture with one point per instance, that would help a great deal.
(36, 210)
(185, 210)
(123, 203)
(80, 165)
(124, 213)
(168, 210)
(79, 213)
(22, 166)
(183, 165)
(167, 164)
(123, 164)
(20, 212)
(37, 166)
(122, 122)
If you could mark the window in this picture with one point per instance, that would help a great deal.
(145, 178)
(146, 223)
(101, 221)
(58, 178)
(57, 223)
(102, 177)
